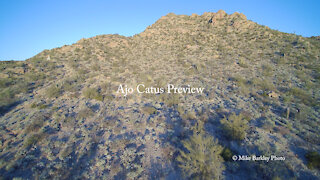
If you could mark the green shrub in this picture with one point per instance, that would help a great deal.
(6, 82)
(7, 95)
(242, 63)
(71, 84)
(242, 83)
(82, 73)
(92, 93)
(227, 154)
(54, 91)
(22, 87)
(149, 110)
(313, 160)
(35, 125)
(186, 115)
(42, 106)
(303, 96)
(203, 160)
(235, 126)
(7, 99)
(33, 139)
(31, 76)
(287, 98)
(263, 84)
(39, 106)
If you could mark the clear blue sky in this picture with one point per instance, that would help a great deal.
(29, 26)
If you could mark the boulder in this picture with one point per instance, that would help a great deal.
(273, 94)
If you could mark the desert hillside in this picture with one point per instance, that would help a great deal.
(62, 116)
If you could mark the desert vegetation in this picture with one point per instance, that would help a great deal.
(61, 118)
(202, 159)
(235, 126)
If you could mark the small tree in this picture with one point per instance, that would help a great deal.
(203, 160)
(235, 126)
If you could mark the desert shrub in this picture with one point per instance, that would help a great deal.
(106, 87)
(54, 91)
(227, 154)
(235, 126)
(35, 125)
(85, 113)
(186, 115)
(33, 139)
(39, 106)
(287, 98)
(73, 64)
(7, 96)
(263, 84)
(8, 99)
(72, 84)
(266, 70)
(82, 72)
(242, 63)
(313, 160)
(149, 110)
(202, 159)
(160, 82)
(32, 76)
(127, 159)
(242, 83)
(6, 82)
(22, 87)
(302, 75)
(92, 93)
(302, 95)
(51, 66)
(304, 113)
(77, 50)
(279, 60)
(190, 71)
(9, 88)
(171, 99)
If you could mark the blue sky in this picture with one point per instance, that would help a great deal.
(29, 26)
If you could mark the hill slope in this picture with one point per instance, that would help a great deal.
(61, 115)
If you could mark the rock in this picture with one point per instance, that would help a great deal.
(220, 14)
(157, 105)
(193, 15)
(240, 15)
(273, 94)
(208, 14)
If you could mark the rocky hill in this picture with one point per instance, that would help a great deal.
(63, 116)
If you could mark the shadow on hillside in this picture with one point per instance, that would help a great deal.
(176, 132)
(9, 107)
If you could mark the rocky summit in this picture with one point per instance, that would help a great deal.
(101, 108)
